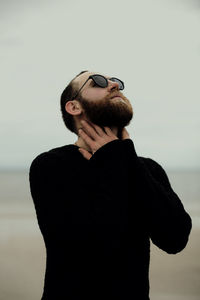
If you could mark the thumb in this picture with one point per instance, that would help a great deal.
(125, 134)
(85, 153)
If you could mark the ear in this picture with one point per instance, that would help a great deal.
(73, 107)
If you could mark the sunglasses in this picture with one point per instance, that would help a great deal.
(101, 81)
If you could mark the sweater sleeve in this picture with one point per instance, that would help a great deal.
(47, 192)
(166, 221)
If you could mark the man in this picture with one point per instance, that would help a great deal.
(98, 203)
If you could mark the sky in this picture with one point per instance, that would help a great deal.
(152, 45)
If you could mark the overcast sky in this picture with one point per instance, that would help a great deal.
(152, 45)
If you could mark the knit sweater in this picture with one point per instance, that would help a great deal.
(97, 218)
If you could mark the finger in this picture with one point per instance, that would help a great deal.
(85, 153)
(89, 141)
(98, 129)
(109, 131)
(89, 129)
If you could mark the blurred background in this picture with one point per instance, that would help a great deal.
(154, 47)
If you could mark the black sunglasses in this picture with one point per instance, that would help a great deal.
(102, 82)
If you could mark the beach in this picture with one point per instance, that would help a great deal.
(23, 254)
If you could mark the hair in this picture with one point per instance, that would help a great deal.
(67, 95)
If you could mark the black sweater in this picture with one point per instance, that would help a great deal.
(97, 217)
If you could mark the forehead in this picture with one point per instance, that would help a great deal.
(79, 81)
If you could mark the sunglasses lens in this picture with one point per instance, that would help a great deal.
(100, 80)
(121, 84)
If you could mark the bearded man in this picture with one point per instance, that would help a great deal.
(99, 204)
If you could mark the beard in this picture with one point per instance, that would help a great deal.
(109, 112)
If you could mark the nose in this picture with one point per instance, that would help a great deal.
(113, 85)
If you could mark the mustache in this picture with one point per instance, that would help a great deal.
(115, 94)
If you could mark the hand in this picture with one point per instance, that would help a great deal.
(125, 134)
(94, 137)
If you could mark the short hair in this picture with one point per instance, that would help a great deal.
(67, 95)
